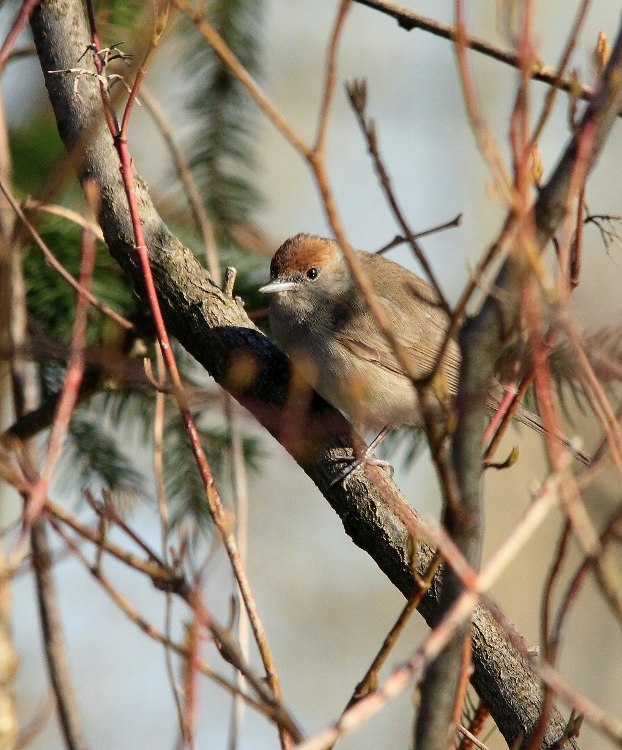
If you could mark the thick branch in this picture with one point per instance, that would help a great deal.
(216, 331)
(484, 336)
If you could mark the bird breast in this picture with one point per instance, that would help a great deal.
(369, 395)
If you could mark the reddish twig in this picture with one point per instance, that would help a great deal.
(553, 576)
(159, 574)
(466, 670)
(312, 156)
(240, 491)
(357, 92)
(577, 245)
(561, 69)
(73, 378)
(53, 262)
(108, 512)
(197, 16)
(170, 579)
(215, 505)
(476, 725)
(264, 707)
(552, 642)
(485, 140)
(609, 725)
(572, 223)
(190, 692)
(398, 240)
(475, 584)
(158, 466)
(22, 18)
(504, 415)
(331, 79)
(596, 395)
(370, 681)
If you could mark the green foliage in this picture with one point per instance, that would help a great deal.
(93, 457)
(222, 154)
(35, 149)
(184, 486)
(223, 160)
(132, 411)
(115, 18)
(50, 299)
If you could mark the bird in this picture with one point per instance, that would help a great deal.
(320, 318)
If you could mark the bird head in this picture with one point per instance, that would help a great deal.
(307, 272)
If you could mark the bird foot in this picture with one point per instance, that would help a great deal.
(354, 462)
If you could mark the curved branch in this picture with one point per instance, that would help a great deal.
(215, 330)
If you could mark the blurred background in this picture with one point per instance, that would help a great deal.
(325, 605)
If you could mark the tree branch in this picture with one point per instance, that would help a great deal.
(409, 19)
(53, 641)
(216, 331)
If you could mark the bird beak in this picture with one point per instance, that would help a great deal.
(278, 286)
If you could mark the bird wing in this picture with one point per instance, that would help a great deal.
(420, 331)
(415, 317)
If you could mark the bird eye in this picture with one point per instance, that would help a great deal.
(312, 274)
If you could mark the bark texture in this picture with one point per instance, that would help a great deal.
(215, 330)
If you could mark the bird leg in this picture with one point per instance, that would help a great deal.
(356, 462)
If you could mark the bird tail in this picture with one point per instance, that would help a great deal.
(527, 417)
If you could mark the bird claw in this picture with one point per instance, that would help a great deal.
(353, 463)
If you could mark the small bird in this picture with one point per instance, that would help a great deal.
(321, 319)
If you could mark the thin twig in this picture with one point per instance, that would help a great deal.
(475, 727)
(190, 672)
(315, 161)
(162, 576)
(26, 397)
(71, 384)
(469, 739)
(454, 618)
(108, 512)
(158, 470)
(53, 262)
(269, 708)
(596, 395)
(222, 50)
(398, 240)
(357, 92)
(22, 18)
(66, 213)
(599, 719)
(53, 639)
(370, 680)
(485, 140)
(409, 19)
(562, 548)
(240, 491)
(187, 180)
(215, 505)
(331, 79)
(561, 69)
(552, 643)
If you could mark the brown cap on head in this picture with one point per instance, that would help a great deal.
(299, 253)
